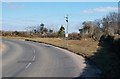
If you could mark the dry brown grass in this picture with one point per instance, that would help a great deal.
(83, 47)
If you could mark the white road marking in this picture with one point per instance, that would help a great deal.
(33, 58)
(28, 65)
(34, 51)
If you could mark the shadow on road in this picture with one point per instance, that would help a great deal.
(106, 58)
(90, 71)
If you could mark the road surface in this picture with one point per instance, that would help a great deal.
(31, 59)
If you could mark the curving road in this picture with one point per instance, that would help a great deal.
(31, 59)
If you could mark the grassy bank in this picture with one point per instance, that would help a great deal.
(84, 47)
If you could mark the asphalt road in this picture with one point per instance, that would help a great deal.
(31, 59)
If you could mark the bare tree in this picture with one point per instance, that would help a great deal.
(110, 23)
(88, 28)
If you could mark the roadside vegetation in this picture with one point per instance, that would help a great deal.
(98, 41)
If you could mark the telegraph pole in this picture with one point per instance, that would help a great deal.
(66, 35)
(67, 26)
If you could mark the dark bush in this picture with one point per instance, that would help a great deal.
(106, 40)
(15, 33)
(109, 55)
(116, 46)
(112, 43)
